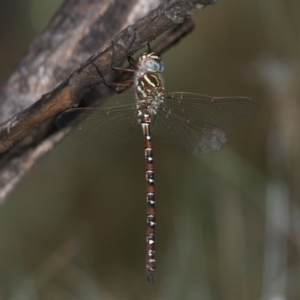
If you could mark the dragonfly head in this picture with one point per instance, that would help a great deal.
(151, 62)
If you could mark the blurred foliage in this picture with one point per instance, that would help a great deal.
(227, 221)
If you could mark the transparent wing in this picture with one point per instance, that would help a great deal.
(101, 127)
(116, 100)
(220, 112)
(113, 99)
(186, 138)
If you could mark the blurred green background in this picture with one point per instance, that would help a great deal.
(227, 222)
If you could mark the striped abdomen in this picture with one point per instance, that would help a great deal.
(150, 197)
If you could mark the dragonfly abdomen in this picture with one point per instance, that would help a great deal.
(150, 197)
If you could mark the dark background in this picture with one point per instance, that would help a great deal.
(227, 222)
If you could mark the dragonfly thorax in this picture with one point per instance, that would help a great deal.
(150, 92)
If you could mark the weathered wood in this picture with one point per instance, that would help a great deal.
(75, 32)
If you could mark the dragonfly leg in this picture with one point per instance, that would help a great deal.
(119, 87)
(122, 86)
(132, 63)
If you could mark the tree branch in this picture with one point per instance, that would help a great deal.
(68, 39)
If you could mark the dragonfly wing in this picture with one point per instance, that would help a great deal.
(113, 99)
(220, 112)
(187, 138)
(127, 97)
(101, 127)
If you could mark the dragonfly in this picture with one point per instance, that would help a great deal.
(186, 122)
